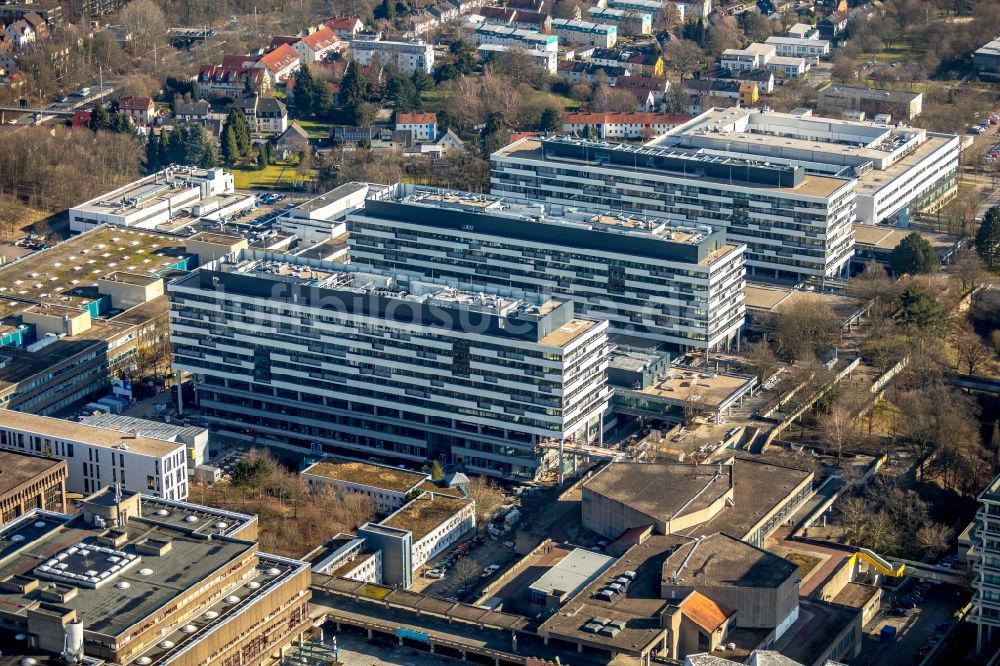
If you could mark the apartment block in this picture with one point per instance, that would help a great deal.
(296, 353)
(899, 169)
(500, 35)
(586, 33)
(629, 21)
(648, 277)
(133, 579)
(407, 57)
(799, 47)
(794, 224)
(100, 457)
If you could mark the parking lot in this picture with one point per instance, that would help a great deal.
(490, 552)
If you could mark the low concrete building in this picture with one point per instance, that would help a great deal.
(388, 488)
(417, 532)
(30, 482)
(986, 60)
(743, 498)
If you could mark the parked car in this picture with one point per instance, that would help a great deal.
(435, 573)
(490, 570)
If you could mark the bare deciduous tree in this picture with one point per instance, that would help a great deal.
(145, 23)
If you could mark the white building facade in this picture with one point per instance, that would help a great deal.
(407, 57)
(794, 224)
(396, 368)
(648, 278)
(98, 458)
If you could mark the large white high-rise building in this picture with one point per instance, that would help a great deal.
(681, 285)
(795, 224)
(324, 358)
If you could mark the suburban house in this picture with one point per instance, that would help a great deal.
(833, 25)
(196, 112)
(266, 115)
(140, 110)
(420, 23)
(231, 81)
(293, 141)
(318, 46)
(445, 11)
(421, 126)
(440, 147)
(763, 78)
(346, 27)
(623, 125)
(279, 64)
(703, 95)
(575, 71)
(649, 92)
(640, 63)
(21, 33)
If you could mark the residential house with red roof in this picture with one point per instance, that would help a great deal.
(231, 81)
(318, 46)
(624, 125)
(346, 27)
(140, 110)
(279, 64)
(421, 126)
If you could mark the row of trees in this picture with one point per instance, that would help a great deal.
(188, 144)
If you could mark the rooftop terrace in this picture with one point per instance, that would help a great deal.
(422, 515)
(17, 469)
(671, 161)
(67, 273)
(79, 432)
(367, 474)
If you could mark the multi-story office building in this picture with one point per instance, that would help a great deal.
(899, 170)
(676, 284)
(407, 57)
(139, 580)
(73, 315)
(290, 352)
(100, 457)
(794, 224)
(599, 35)
(984, 563)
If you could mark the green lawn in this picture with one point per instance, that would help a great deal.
(280, 176)
(317, 129)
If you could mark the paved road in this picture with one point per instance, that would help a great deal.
(941, 604)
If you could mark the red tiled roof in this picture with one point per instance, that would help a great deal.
(279, 58)
(282, 39)
(135, 103)
(238, 61)
(343, 22)
(415, 118)
(641, 82)
(706, 613)
(321, 39)
(627, 118)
